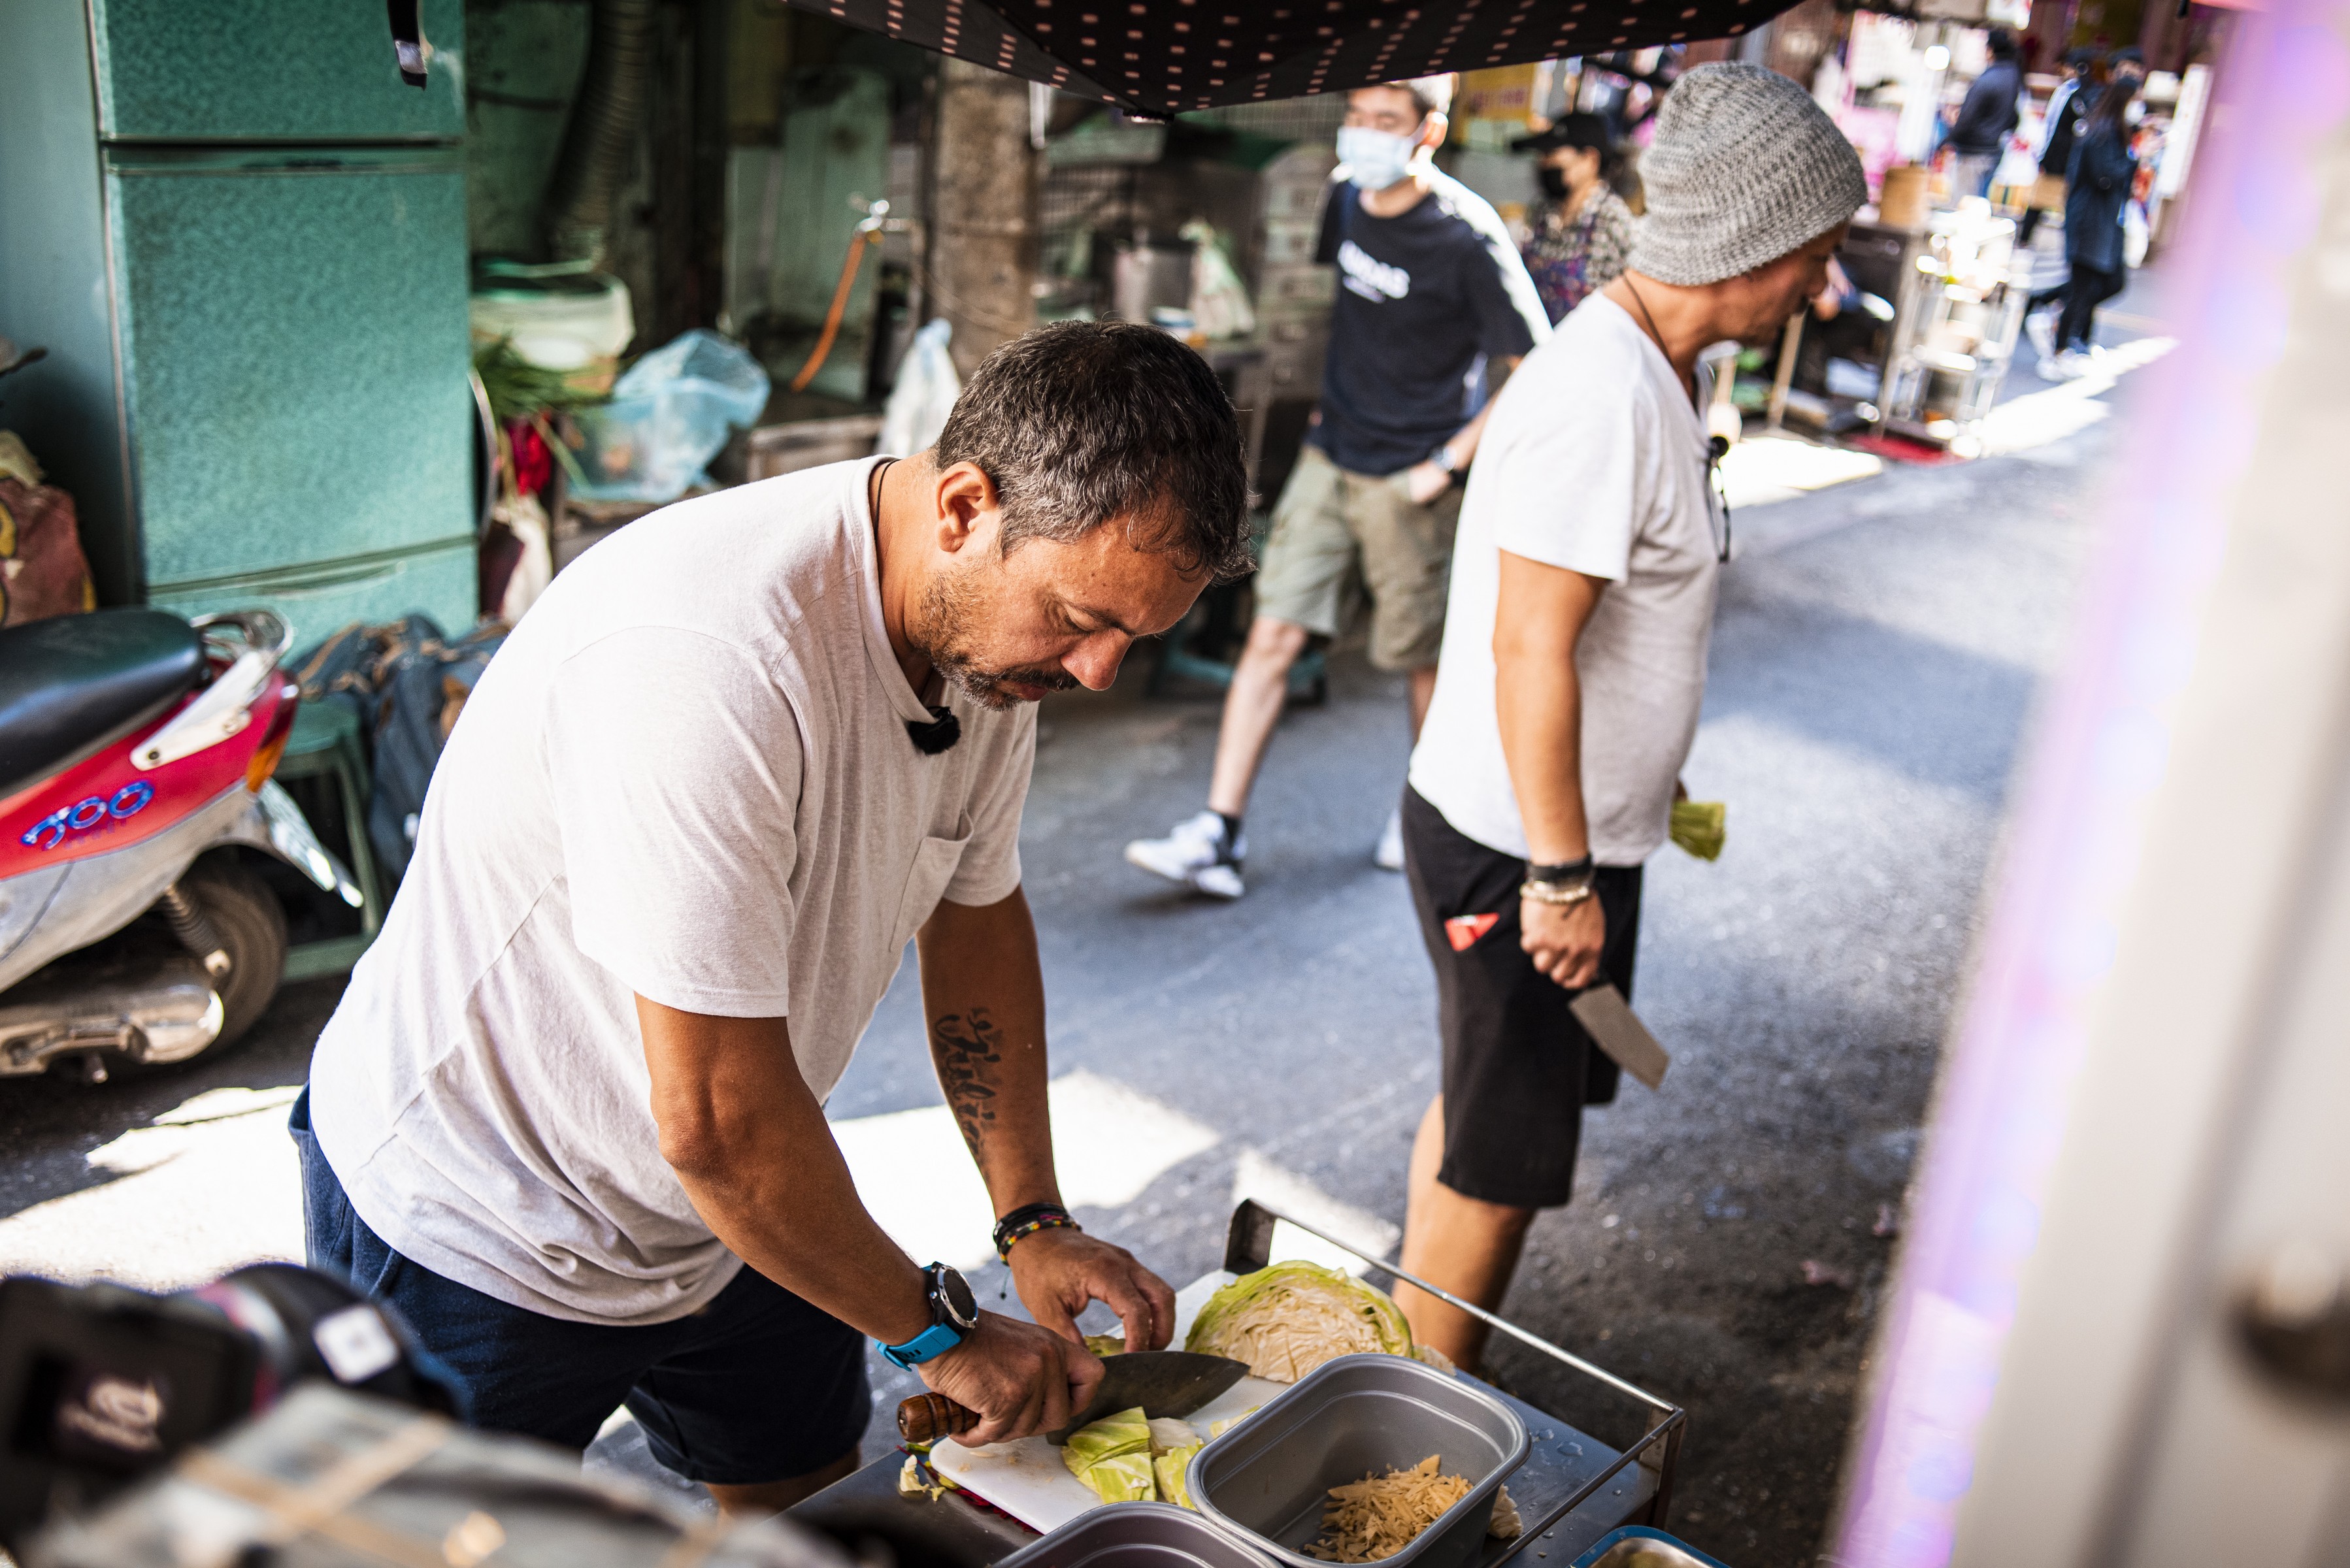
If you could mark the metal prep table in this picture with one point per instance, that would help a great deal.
(1572, 1490)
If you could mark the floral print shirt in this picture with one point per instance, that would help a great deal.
(1572, 257)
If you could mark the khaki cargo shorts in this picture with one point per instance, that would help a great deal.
(1339, 537)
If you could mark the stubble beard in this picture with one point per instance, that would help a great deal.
(948, 608)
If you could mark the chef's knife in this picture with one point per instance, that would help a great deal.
(1163, 1382)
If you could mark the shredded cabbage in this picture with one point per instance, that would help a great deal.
(1286, 1319)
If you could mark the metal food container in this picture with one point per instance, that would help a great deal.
(1640, 1547)
(1136, 1535)
(1268, 1478)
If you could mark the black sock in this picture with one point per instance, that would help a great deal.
(1232, 827)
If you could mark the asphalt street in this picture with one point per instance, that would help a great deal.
(1874, 673)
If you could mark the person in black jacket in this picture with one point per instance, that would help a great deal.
(2098, 189)
(1986, 117)
(2061, 128)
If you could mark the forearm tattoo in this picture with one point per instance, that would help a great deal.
(967, 1045)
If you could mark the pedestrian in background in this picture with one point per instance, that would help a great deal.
(1579, 231)
(1432, 300)
(2060, 128)
(2098, 188)
(1986, 118)
(1574, 659)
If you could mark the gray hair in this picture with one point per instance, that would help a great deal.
(1084, 421)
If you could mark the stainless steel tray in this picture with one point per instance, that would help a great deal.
(1136, 1535)
(1557, 1479)
(1269, 1479)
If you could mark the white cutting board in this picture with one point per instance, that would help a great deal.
(1028, 1480)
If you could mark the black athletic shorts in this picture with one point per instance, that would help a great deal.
(1518, 1068)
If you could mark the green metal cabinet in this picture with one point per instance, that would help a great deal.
(248, 261)
(301, 71)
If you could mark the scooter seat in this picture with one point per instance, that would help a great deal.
(73, 684)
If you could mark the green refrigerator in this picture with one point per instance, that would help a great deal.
(242, 239)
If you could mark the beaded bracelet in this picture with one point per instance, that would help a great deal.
(1027, 1223)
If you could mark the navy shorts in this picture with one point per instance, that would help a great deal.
(757, 1387)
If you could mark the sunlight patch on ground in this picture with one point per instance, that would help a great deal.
(1286, 1192)
(1766, 468)
(211, 1185)
(1109, 1143)
(2067, 408)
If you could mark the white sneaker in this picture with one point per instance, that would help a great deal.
(1196, 854)
(2042, 336)
(2070, 365)
(1388, 855)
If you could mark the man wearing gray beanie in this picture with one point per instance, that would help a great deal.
(1573, 662)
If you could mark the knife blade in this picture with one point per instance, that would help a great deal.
(1163, 1382)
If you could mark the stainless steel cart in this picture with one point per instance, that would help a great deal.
(1960, 312)
(1572, 1490)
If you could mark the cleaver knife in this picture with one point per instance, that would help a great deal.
(1163, 1382)
(1611, 1025)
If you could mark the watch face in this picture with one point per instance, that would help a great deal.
(962, 1307)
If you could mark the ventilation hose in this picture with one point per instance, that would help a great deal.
(604, 118)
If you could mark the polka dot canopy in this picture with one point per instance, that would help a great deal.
(1163, 56)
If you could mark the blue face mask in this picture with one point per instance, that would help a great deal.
(1375, 159)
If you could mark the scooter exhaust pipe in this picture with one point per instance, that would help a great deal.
(161, 1012)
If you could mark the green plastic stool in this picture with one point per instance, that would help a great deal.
(326, 741)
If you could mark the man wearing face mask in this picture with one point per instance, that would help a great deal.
(1579, 233)
(1430, 290)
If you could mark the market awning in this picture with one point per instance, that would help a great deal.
(1162, 57)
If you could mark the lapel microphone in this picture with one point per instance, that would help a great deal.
(942, 732)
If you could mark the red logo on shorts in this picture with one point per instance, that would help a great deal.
(1462, 930)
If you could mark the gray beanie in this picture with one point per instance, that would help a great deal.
(1744, 169)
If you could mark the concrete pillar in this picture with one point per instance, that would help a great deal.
(981, 255)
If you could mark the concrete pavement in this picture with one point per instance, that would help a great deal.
(1873, 671)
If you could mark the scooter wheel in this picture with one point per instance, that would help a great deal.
(252, 927)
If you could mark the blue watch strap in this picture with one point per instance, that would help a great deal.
(934, 1341)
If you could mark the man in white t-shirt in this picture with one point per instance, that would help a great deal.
(1573, 662)
(569, 1118)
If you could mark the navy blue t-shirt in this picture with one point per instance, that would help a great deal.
(1423, 299)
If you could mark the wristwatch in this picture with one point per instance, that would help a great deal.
(1442, 458)
(954, 1313)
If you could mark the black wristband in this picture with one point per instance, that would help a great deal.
(1564, 871)
(1024, 1222)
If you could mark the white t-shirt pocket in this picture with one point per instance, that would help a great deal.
(935, 867)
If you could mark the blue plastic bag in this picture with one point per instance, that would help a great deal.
(670, 414)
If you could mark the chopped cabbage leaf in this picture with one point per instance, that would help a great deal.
(1105, 1343)
(1173, 1469)
(1168, 1434)
(1286, 1319)
(1112, 1456)
(1218, 1429)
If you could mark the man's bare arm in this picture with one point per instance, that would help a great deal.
(749, 1143)
(1538, 701)
(984, 993)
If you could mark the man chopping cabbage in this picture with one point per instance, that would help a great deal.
(569, 1118)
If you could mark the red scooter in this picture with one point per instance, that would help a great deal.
(136, 750)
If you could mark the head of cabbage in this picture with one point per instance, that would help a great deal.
(1286, 1319)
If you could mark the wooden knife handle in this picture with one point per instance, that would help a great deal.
(927, 1418)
